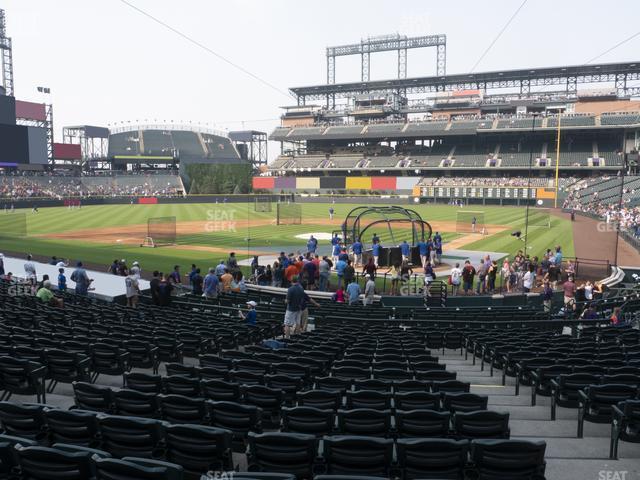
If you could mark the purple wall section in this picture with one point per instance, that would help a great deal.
(285, 182)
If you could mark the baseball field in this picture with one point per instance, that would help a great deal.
(206, 233)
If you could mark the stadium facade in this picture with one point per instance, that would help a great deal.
(399, 135)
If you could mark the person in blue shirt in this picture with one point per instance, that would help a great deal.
(335, 240)
(356, 248)
(312, 244)
(437, 237)
(340, 266)
(375, 239)
(437, 244)
(405, 250)
(353, 292)
(220, 269)
(376, 248)
(62, 280)
(335, 253)
(343, 254)
(211, 284)
(251, 317)
(423, 250)
(558, 257)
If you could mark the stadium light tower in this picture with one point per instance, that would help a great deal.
(6, 54)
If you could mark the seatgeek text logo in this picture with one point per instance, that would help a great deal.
(220, 220)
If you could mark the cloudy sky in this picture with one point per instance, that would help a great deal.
(107, 63)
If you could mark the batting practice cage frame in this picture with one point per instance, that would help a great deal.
(13, 225)
(289, 214)
(538, 217)
(263, 204)
(161, 231)
(465, 224)
(361, 219)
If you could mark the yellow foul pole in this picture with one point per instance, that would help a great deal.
(555, 201)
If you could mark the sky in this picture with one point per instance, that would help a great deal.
(107, 63)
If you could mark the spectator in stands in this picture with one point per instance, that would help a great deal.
(81, 279)
(62, 280)
(370, 268)
(309, 275)
(394, 272)
(569, 289)
(341, 265)
(589, 313)
(349, 273)
(437, 245)
(482, 276)
(226, 280)
(165, 287)
(114, 267)
(53, 261)
(132, 290)
(30, 271)
(353, 292)
(211, 284)
(1, 265)
(455, 278)
(324, 269)
(251, 317)
(295, 296)
(196, 283)
(238, 284)
(174, 277)
(468, 274)
(136, 270)
(220, 269)
(232, 262)
(255, 263)
(547, 296)
(338, 295)
(46, 295)
(191, 274)
(616, 318)
(528, 280)
(290, 272)
(123, 271)
(492, 273)
(369, 290)
(304, 312)
(278, 274)
(154, 286)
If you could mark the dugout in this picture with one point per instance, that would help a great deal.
(392, 225)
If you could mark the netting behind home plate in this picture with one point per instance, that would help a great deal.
(289, 214)
(162, 230)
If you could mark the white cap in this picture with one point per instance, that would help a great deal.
(135, 264)
(367, 276)
(252, 303)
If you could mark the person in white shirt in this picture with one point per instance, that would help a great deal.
(369, 290)
(456, 275)
(132, 290)
(528, 279)
(30, 271)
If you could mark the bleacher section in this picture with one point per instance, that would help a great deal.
(188, 144)
(302, 133)
(572, 121)
(520, 122)
(125, 143)
(219, 147)
(157, 142)
(382, 162)
(421, 128)
(344, 131)
(469, 125)
(383, 130)
(308, 161)
(347, 161)
(170, 393)
(620, 119)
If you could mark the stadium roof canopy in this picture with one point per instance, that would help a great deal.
(569, 76)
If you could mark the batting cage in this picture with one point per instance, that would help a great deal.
(13, 225)
(263, 204)
(469, 221)
(160, 231)
(390, 224)
(289, 214)
(539, 217)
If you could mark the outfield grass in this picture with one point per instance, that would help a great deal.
(266, 236)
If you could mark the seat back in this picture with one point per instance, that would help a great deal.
(135, 469)
(364, 421)
(122, 436)
(308, 420)
(137, 404)
(76, 427)
(464, 402)
(220, 390)
(508, 459)
(199, 448)
(481, 424)
(92, 397)
(368, 399)
(357, 455)
(182, 409)
(143, 382)
(22, 420)
(417, 400)
(322, 399)
(283, 452)
(422, 423)
(53, 464)
(432, 457)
